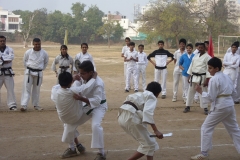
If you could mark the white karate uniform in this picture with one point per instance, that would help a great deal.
(199, 65)
(196, 51)
(141, 66)
(83, 57)
(231, 69)
(124, 50)
(63, 62)
(37, 60)
(177, 73)
(229, 50)
(238, 87)
(220, 92)
(131, 69)
(135, 122)
(6, 75)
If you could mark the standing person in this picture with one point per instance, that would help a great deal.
(64, 61)
(6, 74)
(206, 46)
(134, 116)
(184, 64)
(177, 72)
(196, 49)
(83, 56)
(35, 60)
(141, 65)
(238, 50)
(95, 99)
(161, 61)
(131, 57)
(220, 94)
(231, 63)
(199, 75)
(196, 97)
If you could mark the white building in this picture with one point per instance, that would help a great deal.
(9, 22)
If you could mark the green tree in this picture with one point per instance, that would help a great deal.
(118, 33)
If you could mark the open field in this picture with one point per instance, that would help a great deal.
(37, 134)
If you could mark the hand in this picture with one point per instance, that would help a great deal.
(131, 58)
(56, 73)
(95, 75)
(76, 77)
(198, 88)
(189, 77)
(77, 97)
(234, 63)
(158, 134)
(205, 84)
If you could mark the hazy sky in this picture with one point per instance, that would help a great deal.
(125, 7)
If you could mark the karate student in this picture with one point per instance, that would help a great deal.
(220, 94)
(199, 75)
(35, 61)
(64, 61)
(83, 56)
(131, 57)
(125, 49)
(238, 50)
(196, 49)
(70, 111)
(184, 64)
(161, 55)
(231, 63)
(177, 72)
(134, 116)
(96, 101)
(6, 74)
(196, 97)
(141, 65)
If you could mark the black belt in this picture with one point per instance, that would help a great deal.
(63, 68)
(161, 68)
(132, 104)
(3, 70)
(33, 70)
(197, 74)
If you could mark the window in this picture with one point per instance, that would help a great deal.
(13, 26)
(12, 19)
(3, 16)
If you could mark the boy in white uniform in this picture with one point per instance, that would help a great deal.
(96, 101)
(141, 65)
(6, 74)
(69, 110)
(124, 50)
(199, 74)
(131, 57)
(231, 63)
(220, 94)
(238, 50)
(161, 61)
(177, 72)
(35, 61)
(134, 116)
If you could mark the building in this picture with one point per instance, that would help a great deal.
(9, 22)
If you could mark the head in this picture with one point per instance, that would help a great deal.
(234, 48)
(155, 88)
(237, 43)
(201, 48)
(131, 45)
(161, 44)
(84, 47)
(127, 41)
(189, 48)
(65, 79)
(182, 44)
(141, 48)
(63, 50)
(2, 41)
(36, 44)
(206, 44)
(214, 65)
(86, 70)
(196, 45)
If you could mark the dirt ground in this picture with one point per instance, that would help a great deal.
(37, 134)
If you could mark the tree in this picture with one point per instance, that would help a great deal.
(107, 31)
(118, 33)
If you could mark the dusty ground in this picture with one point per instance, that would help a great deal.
(37, 135)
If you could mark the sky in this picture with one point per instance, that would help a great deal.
(125, 7)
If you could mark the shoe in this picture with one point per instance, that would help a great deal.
(24, 108)
(187, 109)
(38, 108)
(174, 99)
(126, 90)
(199, 157)
(163, 96)
(13, 108)
(81, 148)
(100, 157)
(136, 91)
(69, 153)
(205, 111)
(236, 102)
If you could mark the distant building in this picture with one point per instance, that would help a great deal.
(9, 22)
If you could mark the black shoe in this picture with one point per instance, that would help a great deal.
(187, 109)
(126, 90)
(81, 148)
(13, 108)
(136, 91)
(163, 96)
(205, 111)
(236, 102)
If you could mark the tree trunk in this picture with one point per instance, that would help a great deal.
(108, 41)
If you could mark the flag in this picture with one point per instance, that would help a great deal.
(210, 47)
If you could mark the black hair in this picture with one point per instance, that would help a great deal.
(161, 41)
(202, 44)
(197, 44)
(3, 37)
(207, 42)
(236, 43)
(84, 44)
(86, 66)
(65, 47)
(182, 40)
(131, 44)
(154, 87)
(215, 63)
(127, 38)
(140, 45)
(36, 40)
(190, 45)
(65, 79)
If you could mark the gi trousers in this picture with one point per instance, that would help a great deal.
(9, 84)
(163, 73)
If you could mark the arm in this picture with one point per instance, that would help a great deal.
(8, 58)
(54, 64)
(170, 55)
(235, 64)
(46, 58)
(145, 60)
(74, 68)
(181, 61)
(225, 62)
(175, 57)
(71, 63)
(150, 56)
(25, 58)
(123, 52)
